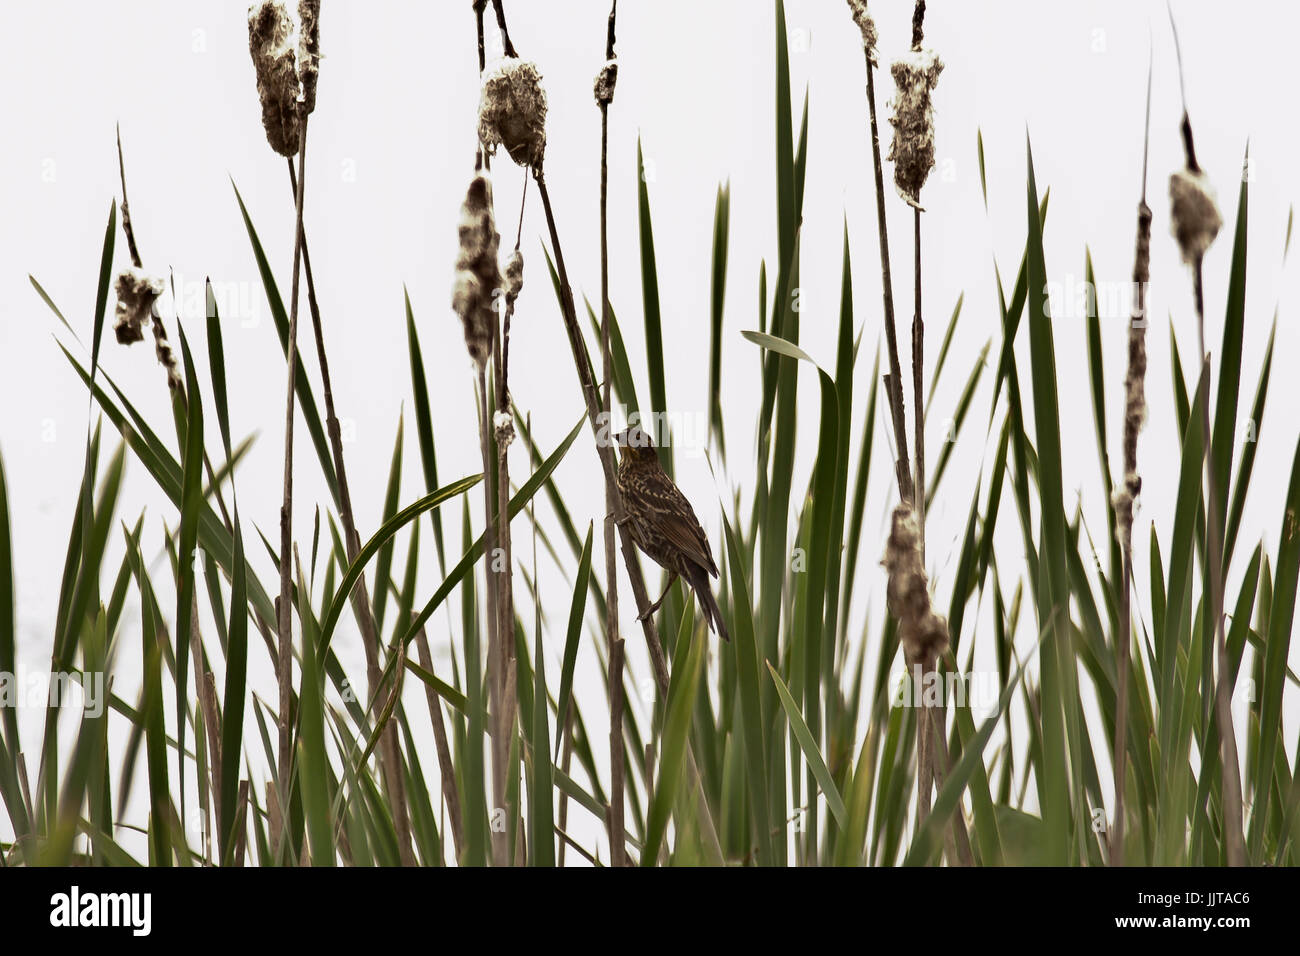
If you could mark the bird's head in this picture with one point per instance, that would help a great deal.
(636, 445)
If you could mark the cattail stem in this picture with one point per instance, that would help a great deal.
(918, 377)
(894, 380)
(126, 210)
(285, 609)
(500, 748)
(479, 6)
(913, 155)
(506, 45)
(506, 664)
(617, 771)
(930, 730)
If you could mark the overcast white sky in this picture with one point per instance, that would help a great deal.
(390, 153)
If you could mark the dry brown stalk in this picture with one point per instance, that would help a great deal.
(603, 90)
(894, 378)
(285, 609)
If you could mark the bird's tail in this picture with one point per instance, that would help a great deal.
(713, 614)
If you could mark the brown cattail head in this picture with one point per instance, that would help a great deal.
(1193, 213)
(167, 356)
(514, 276)
(477, 274)
(861, 16)
(912, 151)
(272, 41)
(512, 111)
(1135, 400)
(922, 633)
(137, 291)
(605, 81)
(137, 296)
(308, 50)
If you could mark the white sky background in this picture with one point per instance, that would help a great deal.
(390, 153)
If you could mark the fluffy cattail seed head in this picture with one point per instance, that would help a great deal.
(512, 111)
(514, 276)
(167, 357)
(912, 151)
(137, 291)
(858, 8)
(309, 50)
(605, 80)
(1135, 402)
(922, 633)
(1193, 213)
(477, 273)
(503, 427)
(273, 43)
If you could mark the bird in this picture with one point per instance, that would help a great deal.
(663, 524)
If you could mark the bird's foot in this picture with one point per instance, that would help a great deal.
(649, 612)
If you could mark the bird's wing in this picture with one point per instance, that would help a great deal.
(676, 519)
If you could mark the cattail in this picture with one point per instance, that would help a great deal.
(503, 427)
(861, 16)
(912, 151)
(273, 43)
(514, 276)
(922, 633)
(1135, 402)
(167, 356)
(477, 273)
(137, 295)
(605, 81)
(512, 111)
(137, 291)
(309, 50)
(1193, 213)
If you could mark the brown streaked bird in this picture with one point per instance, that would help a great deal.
(663, 524)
